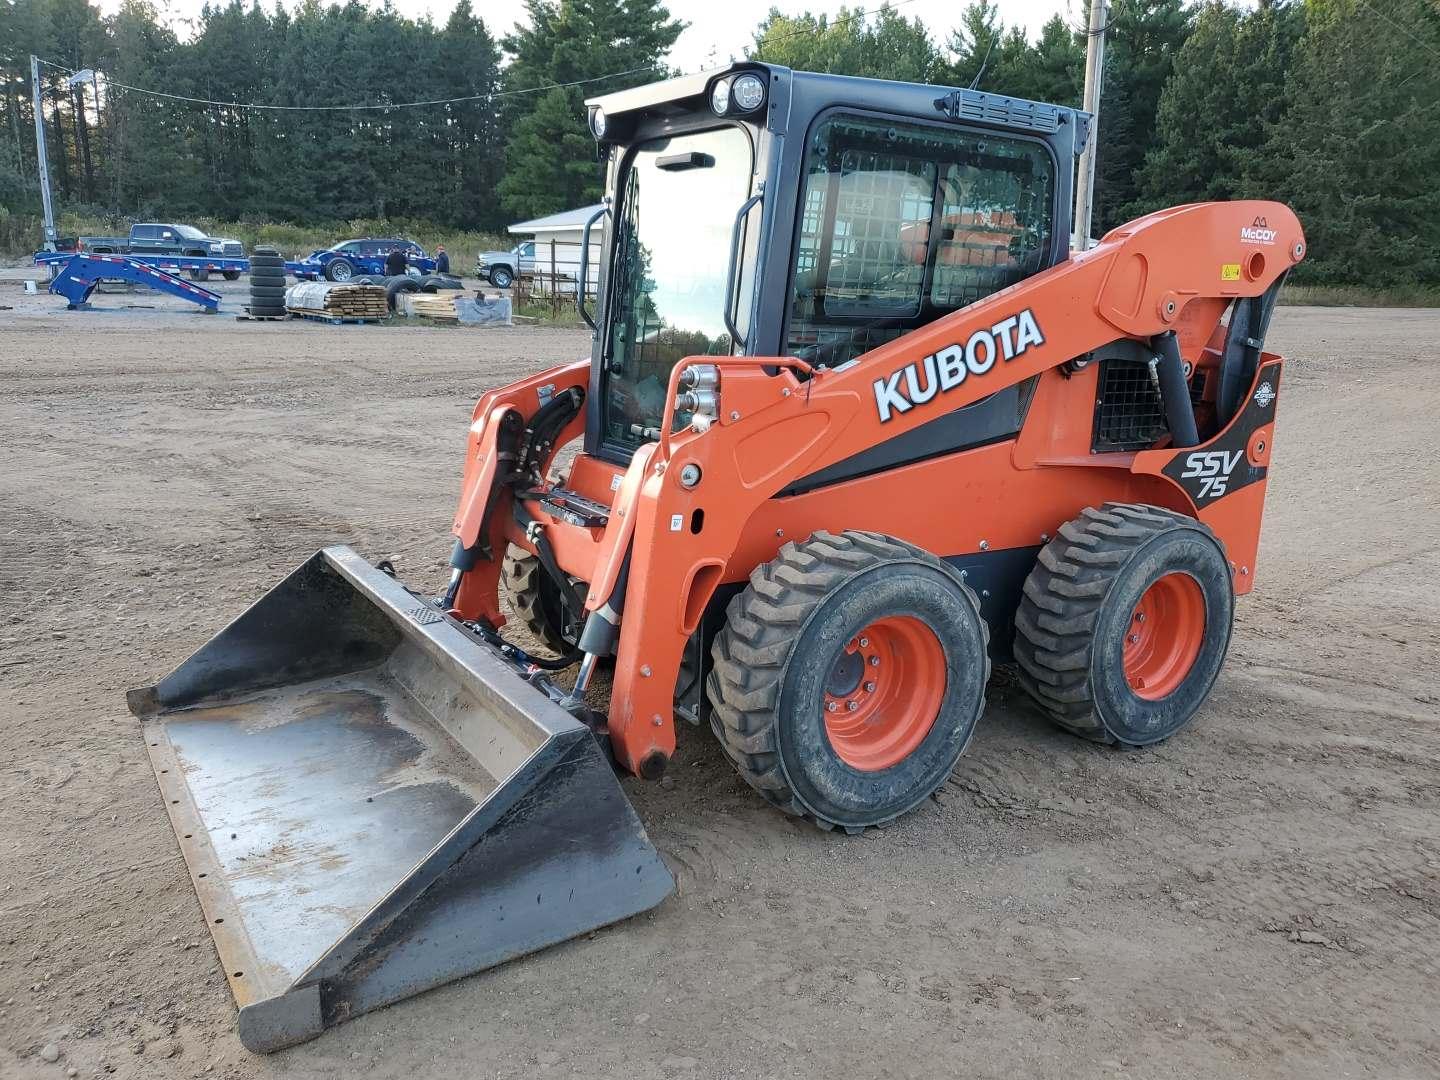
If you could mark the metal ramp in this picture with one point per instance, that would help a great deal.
(79, 276)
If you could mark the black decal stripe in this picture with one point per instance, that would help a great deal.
(1235, 437)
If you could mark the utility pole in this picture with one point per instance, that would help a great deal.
(1094, 75)
(41, 160)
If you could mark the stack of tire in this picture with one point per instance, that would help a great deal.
(267, 282)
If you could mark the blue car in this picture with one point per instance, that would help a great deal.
(351, 258)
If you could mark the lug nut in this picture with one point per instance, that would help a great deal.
(1133, 638)
(869, 687)
(874, 661)
(830, 706)
(645, 671)
(1139, 616)
(864, 643)
(851, 706)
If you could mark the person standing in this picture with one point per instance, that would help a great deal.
(396, 262)
(442, 260)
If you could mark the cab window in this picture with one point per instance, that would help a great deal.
(902, 223)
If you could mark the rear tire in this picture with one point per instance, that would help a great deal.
(230, 275)
(849, 677)
(199, 275)
(1125, 622)
(536, 599)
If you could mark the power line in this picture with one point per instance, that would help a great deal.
(1402, 29)
(380, 107)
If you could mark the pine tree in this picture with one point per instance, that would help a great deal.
(1215, 111)
(1143, 39)
(1357, 150)
(890, 47)
(470, 58)
(565, 42)
(1057, 65)
(550, 165)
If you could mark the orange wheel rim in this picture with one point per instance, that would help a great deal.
(883, 693)
(1163, 640)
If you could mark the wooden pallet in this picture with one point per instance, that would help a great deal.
(247, 317)
(332, 318)
(340, 301)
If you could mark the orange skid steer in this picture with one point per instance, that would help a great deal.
(857, 424)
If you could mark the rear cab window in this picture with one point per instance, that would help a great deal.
(902, 223)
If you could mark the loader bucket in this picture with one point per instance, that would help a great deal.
(372, 803)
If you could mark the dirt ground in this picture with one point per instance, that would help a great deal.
(1259, 897)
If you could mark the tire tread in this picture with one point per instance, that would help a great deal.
(762, 625)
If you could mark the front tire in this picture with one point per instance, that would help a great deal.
(537, 600)
(501, 277)
(339, 270)
(849, 677)
(1125, 622)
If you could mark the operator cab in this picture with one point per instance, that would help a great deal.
(761, 211)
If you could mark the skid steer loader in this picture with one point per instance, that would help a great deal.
(856, 425)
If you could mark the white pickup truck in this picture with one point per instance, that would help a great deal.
(501, 268)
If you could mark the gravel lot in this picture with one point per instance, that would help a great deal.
(1258, 897)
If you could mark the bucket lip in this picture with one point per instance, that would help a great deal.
(449, 642)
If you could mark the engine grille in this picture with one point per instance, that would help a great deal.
(1128, 412)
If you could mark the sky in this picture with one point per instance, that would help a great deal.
(717, 30)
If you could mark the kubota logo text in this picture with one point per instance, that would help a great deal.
(919, 381)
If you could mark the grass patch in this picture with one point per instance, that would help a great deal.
(1419, 296)
(543, 311)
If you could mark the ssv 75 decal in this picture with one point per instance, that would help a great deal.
(1212, 468)
(947, 368)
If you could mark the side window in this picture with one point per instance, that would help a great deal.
(528, 250)
(144, 232)
(352, 248)
(902, 223)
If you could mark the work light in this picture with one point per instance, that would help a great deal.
(720, 97)
(748, 93)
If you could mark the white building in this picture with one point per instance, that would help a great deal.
(554, 248)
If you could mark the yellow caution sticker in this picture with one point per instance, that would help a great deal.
(1229, 271)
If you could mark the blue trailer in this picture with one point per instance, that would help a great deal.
(53, 261)
(78, 274)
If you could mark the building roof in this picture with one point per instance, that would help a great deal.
(566, 219)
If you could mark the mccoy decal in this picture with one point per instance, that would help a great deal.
(1257, 232)
(949, 367)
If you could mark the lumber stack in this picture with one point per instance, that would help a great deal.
(337, 300)
(439, 306)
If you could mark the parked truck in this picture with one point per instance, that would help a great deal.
(197, 252)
